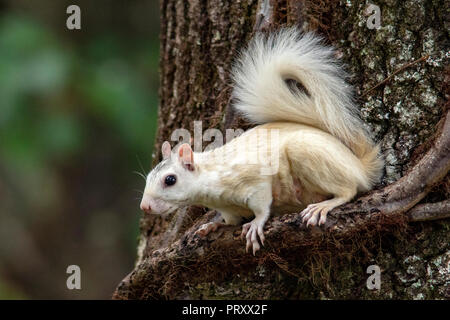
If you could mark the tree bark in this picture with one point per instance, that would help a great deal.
(400, 73)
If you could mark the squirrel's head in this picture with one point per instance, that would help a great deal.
(167, 184)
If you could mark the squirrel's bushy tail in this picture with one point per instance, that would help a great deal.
(293, 76)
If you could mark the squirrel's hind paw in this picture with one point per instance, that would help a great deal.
(207, 228)
(311, 214)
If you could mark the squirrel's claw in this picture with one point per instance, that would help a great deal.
(261, 234)
(251, 231)
(245, 228)
(252, 240)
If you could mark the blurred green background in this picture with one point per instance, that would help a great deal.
(78, 115)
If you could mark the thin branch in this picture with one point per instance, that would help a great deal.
(396, 72)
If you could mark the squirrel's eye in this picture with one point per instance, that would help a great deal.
(170, 180)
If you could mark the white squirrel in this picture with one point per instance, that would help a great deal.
(322, 152)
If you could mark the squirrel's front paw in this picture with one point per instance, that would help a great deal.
(207, 228)
(251, 231)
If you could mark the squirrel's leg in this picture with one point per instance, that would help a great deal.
(207, 228)
(212, 226)
(327, 167)
(260, 205)
(311, 214)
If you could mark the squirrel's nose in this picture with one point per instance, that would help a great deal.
(145, 205)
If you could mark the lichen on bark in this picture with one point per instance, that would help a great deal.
(403, 112)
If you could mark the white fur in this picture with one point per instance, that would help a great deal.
(322, 154)
(262, 95)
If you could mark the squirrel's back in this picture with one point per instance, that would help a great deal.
(293, 76)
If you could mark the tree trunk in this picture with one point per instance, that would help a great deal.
(400, 72)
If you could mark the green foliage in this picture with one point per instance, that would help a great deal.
(48, 90)
(9, 293)
(77, 116)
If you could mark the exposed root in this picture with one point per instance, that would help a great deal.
(430, 211)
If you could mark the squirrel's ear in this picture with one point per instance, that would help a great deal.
(186, 156)
(166, 149)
